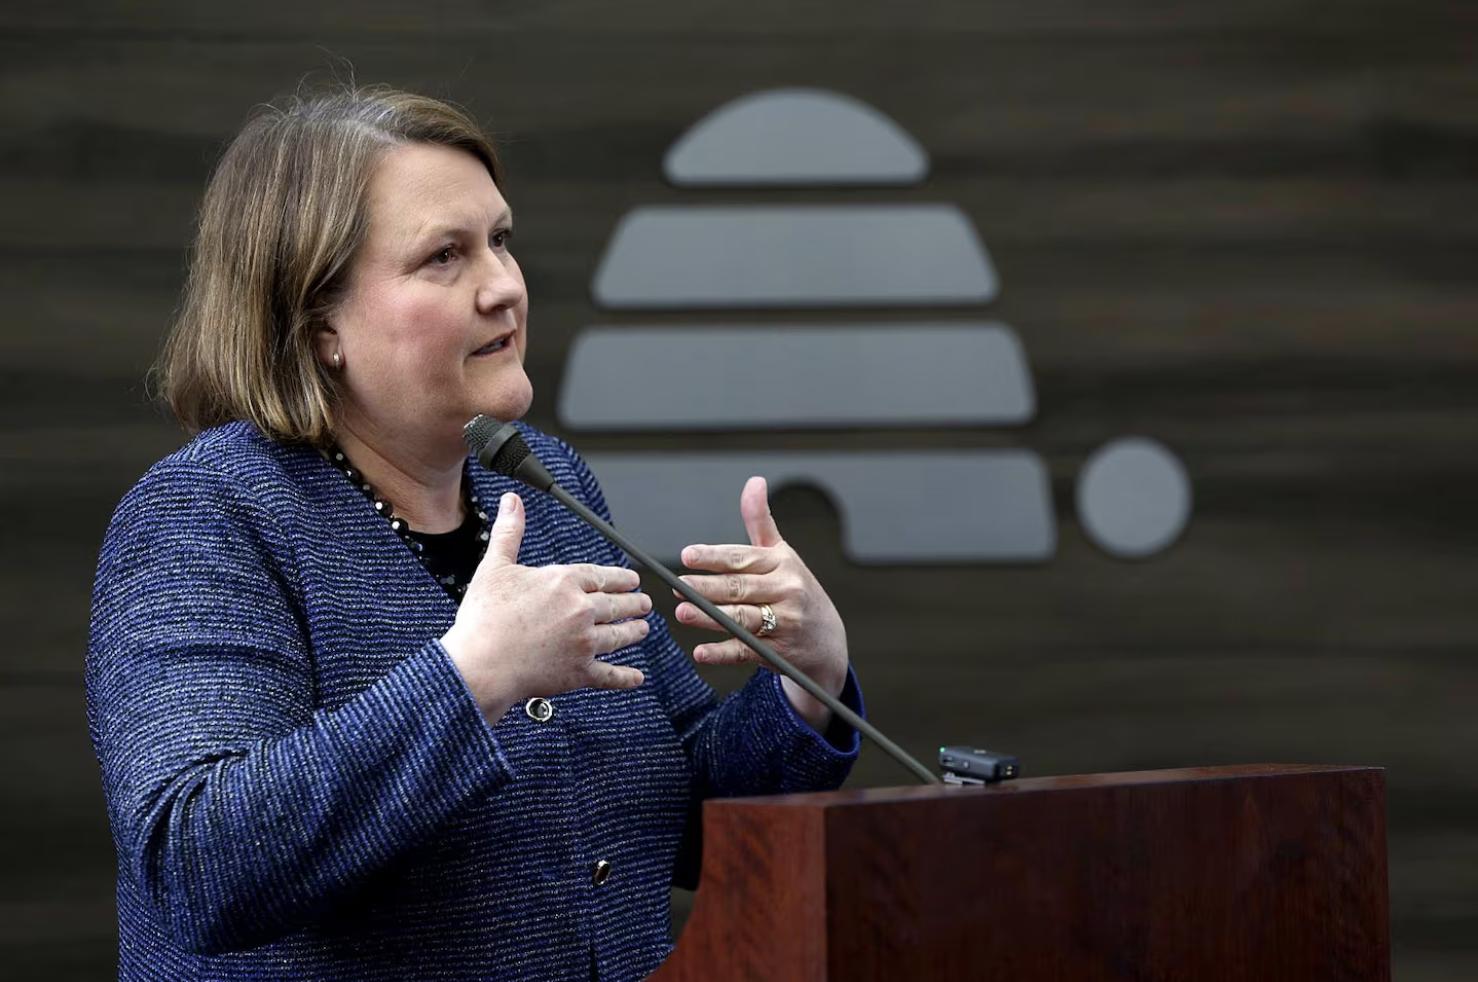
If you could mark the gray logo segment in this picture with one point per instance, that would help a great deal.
(895, 507)
(795, 137)
(796, 256)
(792, 377)
(1134, 497)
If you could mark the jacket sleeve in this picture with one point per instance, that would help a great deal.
(752, 741)
(240, 809)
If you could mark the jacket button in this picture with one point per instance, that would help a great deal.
(540, 710)
(601, 872)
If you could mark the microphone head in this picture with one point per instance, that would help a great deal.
(479, 432)
(501, 449)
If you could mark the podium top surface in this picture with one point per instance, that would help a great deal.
(1179, 775)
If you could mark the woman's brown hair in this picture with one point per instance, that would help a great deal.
(283, 215)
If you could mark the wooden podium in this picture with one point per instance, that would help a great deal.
(1258, 872)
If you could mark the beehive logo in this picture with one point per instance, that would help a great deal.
(757, 373)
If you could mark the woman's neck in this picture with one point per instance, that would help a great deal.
(427, 493)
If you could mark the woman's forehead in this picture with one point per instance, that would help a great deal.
(418, 189)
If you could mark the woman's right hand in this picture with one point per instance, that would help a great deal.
(527, 631)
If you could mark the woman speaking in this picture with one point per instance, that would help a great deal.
(362, 712)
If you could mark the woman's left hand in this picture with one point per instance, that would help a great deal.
(808, 630)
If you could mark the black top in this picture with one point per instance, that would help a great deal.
(452, 557)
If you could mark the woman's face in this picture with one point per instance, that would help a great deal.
(432, 326)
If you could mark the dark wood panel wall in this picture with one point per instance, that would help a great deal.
(1249, 230)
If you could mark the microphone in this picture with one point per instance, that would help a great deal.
(501, 449)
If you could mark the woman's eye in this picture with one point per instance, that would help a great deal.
(502, 237)
(445, 256)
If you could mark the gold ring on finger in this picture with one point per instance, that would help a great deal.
(767, 621)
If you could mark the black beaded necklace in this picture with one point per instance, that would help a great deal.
(454, 584)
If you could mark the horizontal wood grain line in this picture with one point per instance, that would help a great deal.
(1295, 210)
(1057, 19)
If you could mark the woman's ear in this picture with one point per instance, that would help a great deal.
(326, 348)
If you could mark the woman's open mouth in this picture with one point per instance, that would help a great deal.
(495, 345)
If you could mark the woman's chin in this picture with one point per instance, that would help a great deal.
(511, 400)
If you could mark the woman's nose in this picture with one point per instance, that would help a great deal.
(501, 285)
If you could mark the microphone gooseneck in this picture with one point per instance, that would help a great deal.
(501, 448)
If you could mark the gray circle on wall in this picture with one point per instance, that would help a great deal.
(1134, 497)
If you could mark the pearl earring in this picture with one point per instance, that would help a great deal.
(338, 359)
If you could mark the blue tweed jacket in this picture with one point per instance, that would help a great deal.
(301, 786)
